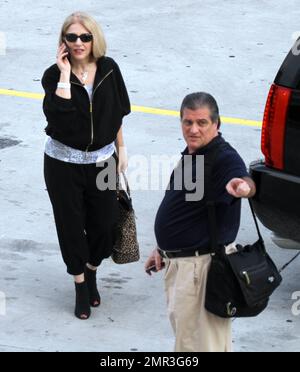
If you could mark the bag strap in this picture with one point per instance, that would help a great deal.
(210, 203)
(255, 221)
(119, 184)
(209, 161)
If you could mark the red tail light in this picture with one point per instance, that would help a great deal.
(274, 124)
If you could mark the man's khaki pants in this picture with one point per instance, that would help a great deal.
(196, 329)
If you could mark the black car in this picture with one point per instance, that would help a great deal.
(277, 202)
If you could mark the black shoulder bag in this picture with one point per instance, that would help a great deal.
(240, 284)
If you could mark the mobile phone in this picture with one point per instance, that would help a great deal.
(67, 50)
(153, 268)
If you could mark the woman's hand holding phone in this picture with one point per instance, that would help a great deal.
(62, 60)
(64, 66)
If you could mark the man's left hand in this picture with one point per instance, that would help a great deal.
(238, 188)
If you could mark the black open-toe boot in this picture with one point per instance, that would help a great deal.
(91, 280)
(82, 306)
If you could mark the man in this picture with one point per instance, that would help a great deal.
(182, 229)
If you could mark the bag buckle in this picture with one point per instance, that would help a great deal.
(247, 277)
(231, 311)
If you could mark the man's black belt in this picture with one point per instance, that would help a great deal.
(184, 253)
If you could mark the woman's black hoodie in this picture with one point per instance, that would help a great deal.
(79, 123)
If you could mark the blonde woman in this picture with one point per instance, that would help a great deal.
(85, 102)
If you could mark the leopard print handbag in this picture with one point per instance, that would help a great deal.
(126, 247)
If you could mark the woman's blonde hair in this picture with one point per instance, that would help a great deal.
(99, 43)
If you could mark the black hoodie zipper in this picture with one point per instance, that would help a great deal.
(91, 105)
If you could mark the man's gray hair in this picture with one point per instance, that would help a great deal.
(198, 100)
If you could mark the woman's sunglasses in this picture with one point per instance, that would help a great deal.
(85, 38)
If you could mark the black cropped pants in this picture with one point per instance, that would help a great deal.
(85, 217)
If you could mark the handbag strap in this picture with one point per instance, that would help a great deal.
(209, 161)
(211, 205)
(255, 221)
(119, 185)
